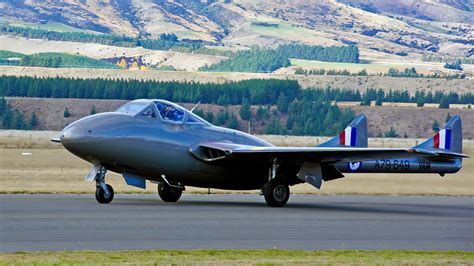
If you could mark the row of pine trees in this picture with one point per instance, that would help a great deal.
(269, 60)
(13, 119)
(256, 91)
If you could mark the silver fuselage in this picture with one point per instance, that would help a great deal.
(148, 148)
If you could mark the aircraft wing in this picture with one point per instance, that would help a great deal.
(220, 151)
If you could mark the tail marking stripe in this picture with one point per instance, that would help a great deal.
(348, 137)
(353, 136)
(342, 138)
(447, 139)
(442, 139)
(436, 140)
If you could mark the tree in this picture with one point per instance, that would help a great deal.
(261, 112)
(455, 65)
(66, 113)
(391, 133)
(363, 72)
(209, 117)
(18, 120)
(33, 121)
(244, 111)
(448, 117)
(435, 126)
(93, 111)
(233, 122)
(222, 118)
(366, 99)
(420, 101)
(283, 103)
(444, 102)
(273, 127)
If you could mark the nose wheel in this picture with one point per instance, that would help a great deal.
(168, 193)
(104, 196)
(104, 193)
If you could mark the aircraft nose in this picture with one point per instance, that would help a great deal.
(85, 137)
(72, 136)
(72, 133)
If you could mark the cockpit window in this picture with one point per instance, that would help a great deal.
(193, 118)
(149, 112)
(132, 108)
(169, 112)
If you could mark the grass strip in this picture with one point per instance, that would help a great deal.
(234, 257)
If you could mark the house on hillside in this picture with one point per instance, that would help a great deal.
(132, 63)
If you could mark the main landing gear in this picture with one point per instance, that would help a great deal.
(104, 193)
(169, 193)
(276, 191)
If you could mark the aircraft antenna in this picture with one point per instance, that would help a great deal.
(195, 106)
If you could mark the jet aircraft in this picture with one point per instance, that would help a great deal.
(164, 143)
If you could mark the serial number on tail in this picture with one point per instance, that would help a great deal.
(392, 164)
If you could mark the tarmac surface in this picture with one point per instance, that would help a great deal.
(60, 222)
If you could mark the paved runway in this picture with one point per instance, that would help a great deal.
(58, 222)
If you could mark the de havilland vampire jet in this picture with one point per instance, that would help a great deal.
(163, 142)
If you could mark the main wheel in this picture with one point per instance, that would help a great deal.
(168, 193)
(101, 197)
(276, 193)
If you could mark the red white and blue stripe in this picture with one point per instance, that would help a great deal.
(348, 137)
(442, 139)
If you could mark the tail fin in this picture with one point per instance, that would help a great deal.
(448, 138)
(354, 135)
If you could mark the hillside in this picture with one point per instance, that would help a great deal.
(180, 61)
(50, 115)
(379, 29)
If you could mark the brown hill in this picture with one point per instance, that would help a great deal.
(378, 27)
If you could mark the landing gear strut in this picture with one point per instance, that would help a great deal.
(168, 193)
(276, 190)
(104, 193)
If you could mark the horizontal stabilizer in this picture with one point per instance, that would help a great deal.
(56, 139)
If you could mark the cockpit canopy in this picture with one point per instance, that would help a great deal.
(161, 110)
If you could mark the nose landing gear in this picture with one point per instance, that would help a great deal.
(104, 193)
(104, 196)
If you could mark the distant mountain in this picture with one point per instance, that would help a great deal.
(378, 27)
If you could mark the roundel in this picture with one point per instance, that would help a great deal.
(354, 166)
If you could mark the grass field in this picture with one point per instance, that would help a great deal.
(374, 67)
(52, 26)
(239, 257)
(292, 33)
(30, 163)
